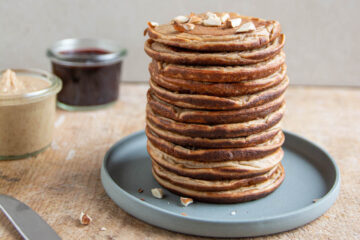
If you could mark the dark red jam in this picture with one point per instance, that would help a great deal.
(85, 52)
(87, 85)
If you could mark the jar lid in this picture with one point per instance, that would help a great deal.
(109, 52)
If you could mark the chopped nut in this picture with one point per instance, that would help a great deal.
(246, 27)
(181, 19)
(189, 26)
(224, 17)
(153, 24)
(195, 20)
(140, 190)
(183, 27)
(212, 20)
(186, 201)
(157, 193)
(233, 22)
(179, 27)
(85, 219)
(211, 15)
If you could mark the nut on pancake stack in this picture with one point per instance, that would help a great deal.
(215, 103)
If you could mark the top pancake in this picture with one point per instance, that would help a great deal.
(162, 52)
(218, 39)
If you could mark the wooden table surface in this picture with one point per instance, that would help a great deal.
(65, 179)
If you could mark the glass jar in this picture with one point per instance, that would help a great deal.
(90, 70)
(27, 120)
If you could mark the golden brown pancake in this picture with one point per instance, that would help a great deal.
(197, 142)
(215, 170)
(165, 53)
(216, 155)
(217, 89)
(241, 194)
(221, 73)
(212, 117)
(218, 39)
(215, 131)
(210, 185)
(197, 101)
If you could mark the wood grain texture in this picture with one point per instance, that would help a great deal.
(65, 179)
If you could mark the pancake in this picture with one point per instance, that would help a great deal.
(241, 194)
(207, 185)
(212, 117)
(196, 101)
(217, 89)
(215, 170)
(221, 73)
(218, 39)
(165, 53)
(216, 155)
(231, 130)
(198, 142)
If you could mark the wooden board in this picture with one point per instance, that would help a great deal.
(65, 179)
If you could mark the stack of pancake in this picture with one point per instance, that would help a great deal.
(215, 103)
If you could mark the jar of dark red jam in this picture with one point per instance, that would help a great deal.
(90, 70)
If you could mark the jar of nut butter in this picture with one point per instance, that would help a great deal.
(27, 111)
(90, 70)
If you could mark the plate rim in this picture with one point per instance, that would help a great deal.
(331, 195)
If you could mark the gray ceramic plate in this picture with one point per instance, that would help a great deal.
(310, 174)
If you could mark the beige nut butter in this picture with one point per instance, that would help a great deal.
(27, 111)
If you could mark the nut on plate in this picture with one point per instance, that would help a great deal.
(157, 192)
(186, 201)
(85, 219)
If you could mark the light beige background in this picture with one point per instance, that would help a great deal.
(322, 46)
